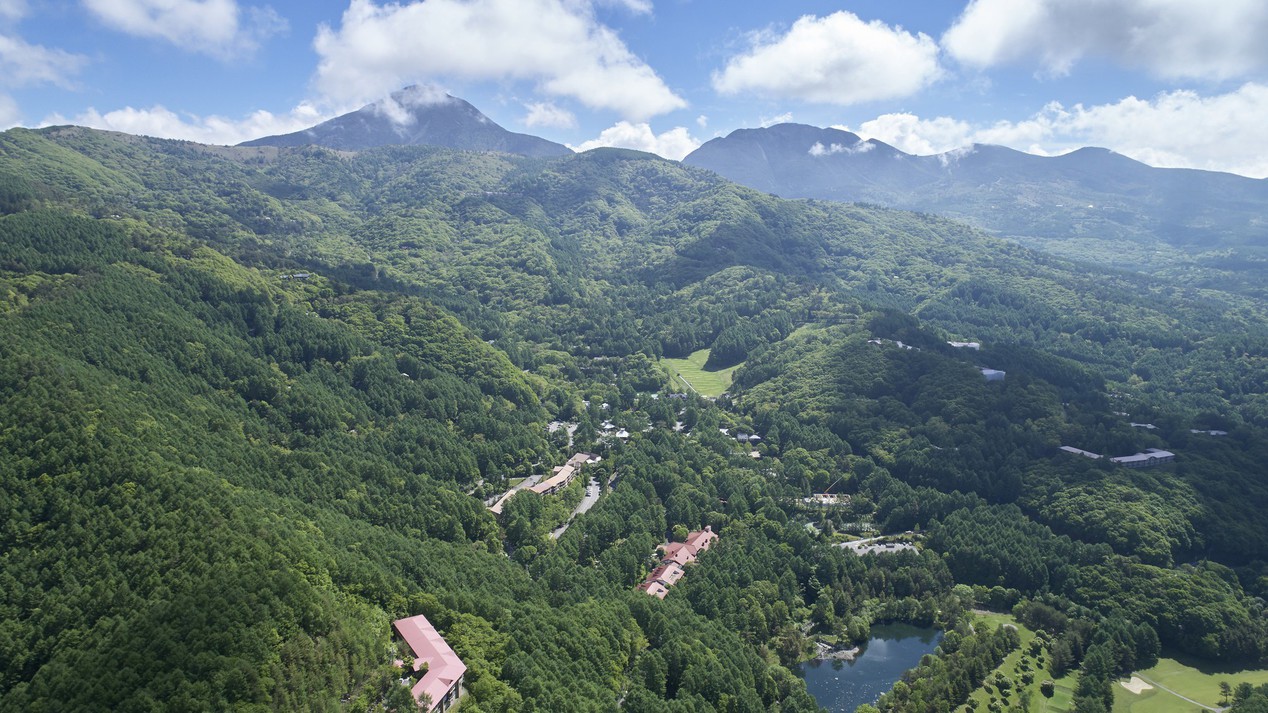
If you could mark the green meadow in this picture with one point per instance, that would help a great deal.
(690, 374)
(1199, 681)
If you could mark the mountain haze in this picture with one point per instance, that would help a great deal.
(1087, 195)
(416, 115)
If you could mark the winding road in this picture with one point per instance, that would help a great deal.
(587, 502)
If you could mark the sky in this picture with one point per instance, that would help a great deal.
(1179, 83)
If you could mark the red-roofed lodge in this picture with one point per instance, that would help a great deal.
(442, 681)
(677, 556)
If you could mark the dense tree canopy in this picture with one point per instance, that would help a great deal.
(252, 402)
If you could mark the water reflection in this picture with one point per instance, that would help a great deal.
(842, 686)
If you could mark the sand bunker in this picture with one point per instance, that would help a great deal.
(1135, 685)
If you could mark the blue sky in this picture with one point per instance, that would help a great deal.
(1169, 82)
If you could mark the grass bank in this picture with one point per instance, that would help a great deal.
(690, 374)
(1021, 664)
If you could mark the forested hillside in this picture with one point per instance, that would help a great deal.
(255, 398)
(1196, 227)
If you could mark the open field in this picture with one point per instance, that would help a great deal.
(691, 374)
(1013, 668)
(1197, 680)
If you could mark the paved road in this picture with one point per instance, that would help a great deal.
(528, 482)
(587, 502)
(1155, 684)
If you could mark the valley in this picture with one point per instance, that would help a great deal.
(257, 401)
(691, 372)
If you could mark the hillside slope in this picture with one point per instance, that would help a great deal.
(1090, 204)
(253, 398)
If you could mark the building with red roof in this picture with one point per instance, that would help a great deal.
(701, 539)
(679, 553)
(677, 556)
(442, 680)
(654, 588)
(667, 574)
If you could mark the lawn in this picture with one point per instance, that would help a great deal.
(1013, 668)
(1152, 701)
(1195, 679)
(690, 372)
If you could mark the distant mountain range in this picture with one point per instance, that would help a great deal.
(1091, 204)
(1089, 193)
(416, 115)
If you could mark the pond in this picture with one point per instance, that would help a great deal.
(842, 686)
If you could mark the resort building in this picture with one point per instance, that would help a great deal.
(438, 670)
(679, 553)
(1148, 459)
(677, 556)
(668, 574)
(1081, 452)
(654, 588)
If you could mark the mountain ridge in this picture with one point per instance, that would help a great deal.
(413, 116)
(1046, 202)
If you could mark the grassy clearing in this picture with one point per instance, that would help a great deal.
(1193, 679)
(691, 374)
(1015, 665)
(1155, 700)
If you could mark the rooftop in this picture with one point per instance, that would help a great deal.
(654, 588)
(667, 574)
(680, 553)
(444, 668)
(1081, 452)
(700, 540)
(1149, 455)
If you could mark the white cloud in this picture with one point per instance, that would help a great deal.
(702, 121)
(24, 64)
(1169, 38)
(784, 118)
(818, 149)
(12, 9)
(558, 44)
(914, 135)
(638, 7)
(398, 106)
(164, 123)
(1179, 129)
(219, 28)
(837, 59)
(948, 158)
(547, 114)
(672, 144)
(10, 115)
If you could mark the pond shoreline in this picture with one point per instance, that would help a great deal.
(831, 653)
(841, 679)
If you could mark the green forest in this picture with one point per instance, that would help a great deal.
(254, 401)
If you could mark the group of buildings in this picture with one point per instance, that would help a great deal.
(561, 477)
(1148, 459)
(436, 671)
(677, 556)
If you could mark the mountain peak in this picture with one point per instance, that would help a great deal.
(416, 115)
